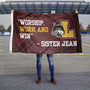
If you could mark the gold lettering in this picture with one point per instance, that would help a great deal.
(21, 29)
(39, 30)
(32, 29)
(27, 29)
(42, 29)
(67, 34)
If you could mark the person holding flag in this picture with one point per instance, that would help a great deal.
(51, 65)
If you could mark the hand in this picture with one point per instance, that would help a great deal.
(12, 11)
(76, 11)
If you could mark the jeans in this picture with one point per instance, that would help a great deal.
(51, 64)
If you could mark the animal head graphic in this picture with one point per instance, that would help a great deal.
(58, 30)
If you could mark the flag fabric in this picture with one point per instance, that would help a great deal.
(45, 33)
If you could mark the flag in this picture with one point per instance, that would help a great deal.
(45, 33)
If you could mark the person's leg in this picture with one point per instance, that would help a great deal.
(38, 67)
(51, 64)
(51, 67)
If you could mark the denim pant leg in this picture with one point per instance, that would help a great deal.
(38, 66)
(51, 64)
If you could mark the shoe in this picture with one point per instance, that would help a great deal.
(53, 81)
(38, 80)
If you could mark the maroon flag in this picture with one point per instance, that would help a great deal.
(45, 33)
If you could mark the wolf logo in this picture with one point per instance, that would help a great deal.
(58, 30)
